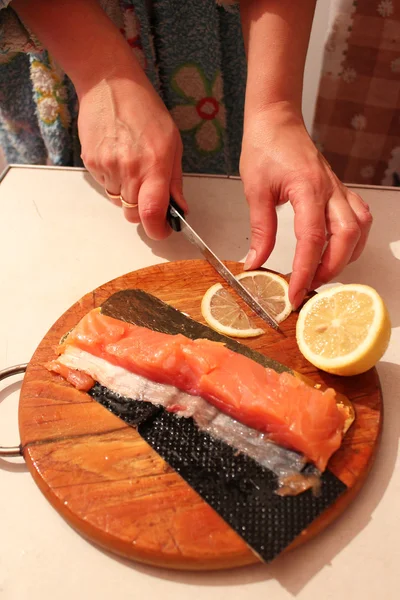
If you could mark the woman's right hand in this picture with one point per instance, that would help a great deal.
(132, 147)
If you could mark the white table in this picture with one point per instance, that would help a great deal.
(59, 238)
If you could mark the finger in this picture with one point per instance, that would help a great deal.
(263, 224)
(104, 170)
(94, 169)
(108, 164)
(153, 201)
(345, 234)
(113, 196)
(130, 195)
(364, 218)
(176, 187)
(112, 185)
(310, 231)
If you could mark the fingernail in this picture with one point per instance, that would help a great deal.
(250, 258)
(299, 297)
(184, 205)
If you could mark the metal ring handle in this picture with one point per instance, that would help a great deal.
(11, 451)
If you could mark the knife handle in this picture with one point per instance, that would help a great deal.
(173, 221)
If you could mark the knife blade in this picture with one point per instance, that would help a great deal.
(177, 222)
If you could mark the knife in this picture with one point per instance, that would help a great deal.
(177, 221)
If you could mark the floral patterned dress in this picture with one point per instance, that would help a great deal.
(192, 52)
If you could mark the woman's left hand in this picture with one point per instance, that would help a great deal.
(279, 162)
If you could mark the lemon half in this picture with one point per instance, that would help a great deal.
(344, 330)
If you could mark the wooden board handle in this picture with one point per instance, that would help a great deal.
(11, 451)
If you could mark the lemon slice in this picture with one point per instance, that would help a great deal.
(344, 330)
(270, 290)
(223, 313)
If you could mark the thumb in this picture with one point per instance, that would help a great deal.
(263, 223)
(153, 201)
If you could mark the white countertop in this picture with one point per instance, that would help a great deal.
(60, 238)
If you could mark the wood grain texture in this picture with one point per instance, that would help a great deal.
(115, 490)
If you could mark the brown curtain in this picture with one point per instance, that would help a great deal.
(357, 119)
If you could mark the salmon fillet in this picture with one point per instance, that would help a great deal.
(292, 413)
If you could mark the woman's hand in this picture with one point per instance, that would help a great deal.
(132, 147)
(280, 163)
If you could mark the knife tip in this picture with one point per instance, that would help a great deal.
(279, 330)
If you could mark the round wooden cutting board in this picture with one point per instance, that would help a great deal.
(114, 489)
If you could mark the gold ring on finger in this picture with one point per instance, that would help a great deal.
(126, 204)
(112, 196)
